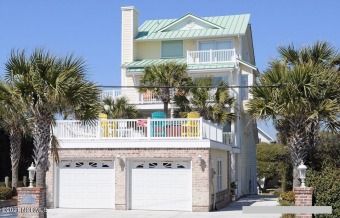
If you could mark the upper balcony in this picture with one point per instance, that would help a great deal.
(142, 129)
(211, 56)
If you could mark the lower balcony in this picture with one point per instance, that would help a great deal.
(149, 97)
(142, 129)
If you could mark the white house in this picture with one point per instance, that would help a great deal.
(190, 163)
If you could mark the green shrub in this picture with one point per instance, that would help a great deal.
(277, 193)
(326, 189)
(5, 193)
(287, 199)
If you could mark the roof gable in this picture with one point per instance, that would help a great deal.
(189, 22)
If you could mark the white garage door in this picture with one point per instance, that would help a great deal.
(86, 184)
(161, 185)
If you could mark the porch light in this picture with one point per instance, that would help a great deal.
(31, 174)
(302, 173)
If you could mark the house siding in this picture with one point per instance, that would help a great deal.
(148, 50)
(200, 175)
(247, 156)
(222, 197)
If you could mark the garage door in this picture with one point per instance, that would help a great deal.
(86, 184)
(161, 185)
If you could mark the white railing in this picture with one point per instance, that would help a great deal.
(113, 94)
(132, 95)
(174, 128)
(149, 97)
(211, 56)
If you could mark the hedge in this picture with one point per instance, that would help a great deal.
(5, 193)
(326, 184)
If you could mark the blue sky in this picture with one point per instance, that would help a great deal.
(92, 29)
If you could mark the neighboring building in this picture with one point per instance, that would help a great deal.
(164, 164)
(264, 137)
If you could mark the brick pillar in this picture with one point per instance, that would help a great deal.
(303, 197)
(31, 202)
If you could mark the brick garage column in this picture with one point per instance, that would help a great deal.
(303, 197)
(120, 183)
(31, 202)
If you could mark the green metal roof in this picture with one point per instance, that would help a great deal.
(229, 25)
(138, 66)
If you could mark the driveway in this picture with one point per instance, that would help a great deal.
(234, 209)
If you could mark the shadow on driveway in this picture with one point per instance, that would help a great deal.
(255, 200)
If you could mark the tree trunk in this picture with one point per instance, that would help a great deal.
(40, 176)
(15, 141)
(296, 181)
(42, 138)
(166, 108)
(165, 96)
(298, 150)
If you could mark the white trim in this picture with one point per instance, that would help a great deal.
(127, 8)
(145, 143)
(240, 45)
(246, 64)
(219, 174)
(192, 16)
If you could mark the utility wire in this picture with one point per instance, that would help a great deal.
(272, 86)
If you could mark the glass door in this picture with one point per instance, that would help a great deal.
(215, 51)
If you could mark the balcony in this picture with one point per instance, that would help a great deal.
(211, 56)
(142, 129)
(149, 97)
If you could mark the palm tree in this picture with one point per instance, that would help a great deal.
(306, 97)
(212, 103)
(49, 85)
(162, 79)
(120, 109)
(13, 119)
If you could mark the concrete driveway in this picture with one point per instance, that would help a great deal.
(234, 209)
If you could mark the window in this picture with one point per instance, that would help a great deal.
(244, 91)
(167, 165)
(172, 49)
(153, 165)
(93, 164)
(219, 79)
(215, 45)
(79, 164)
(219, 175)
